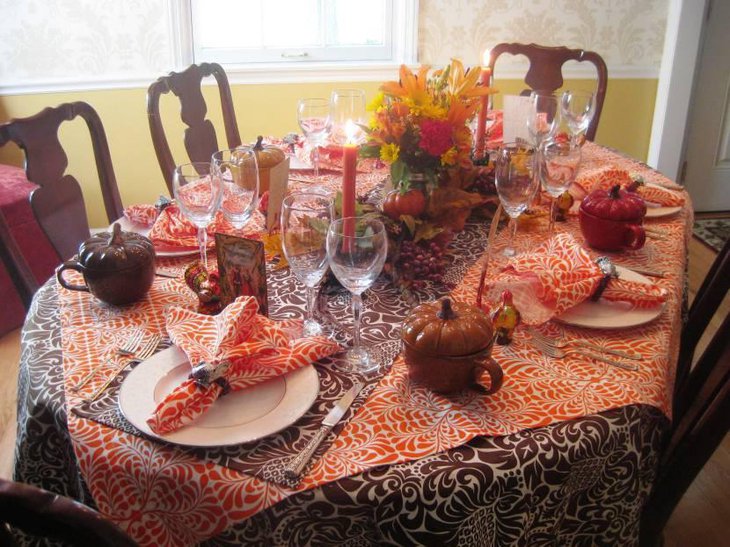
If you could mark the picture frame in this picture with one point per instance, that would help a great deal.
(242, 269)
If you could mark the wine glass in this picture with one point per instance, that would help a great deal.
(315, 121)
(578, 109)
(305, 218)
(198, 193)
(348, 105)
(356, 251)
(516, 183)
(559, 163)
(543, 117)
(239, 174)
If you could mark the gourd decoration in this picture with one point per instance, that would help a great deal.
(610, 220)
(448, 346)
(118, 267)
(411, 202)
(614, 204)
(267, 157)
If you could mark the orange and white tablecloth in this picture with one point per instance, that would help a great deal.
(165, 496)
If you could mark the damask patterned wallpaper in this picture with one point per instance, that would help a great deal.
(71, 40)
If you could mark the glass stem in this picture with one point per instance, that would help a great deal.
(315, 160)
(356, 310)
(203, 242)
(311, 300)
(551, 223)
(512, 233)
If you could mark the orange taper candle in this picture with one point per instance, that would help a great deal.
(483, 109)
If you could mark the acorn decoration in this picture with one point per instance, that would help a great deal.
(505, 319)
(563, 203)
(206, 286)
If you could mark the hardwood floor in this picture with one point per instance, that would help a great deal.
(702, 518)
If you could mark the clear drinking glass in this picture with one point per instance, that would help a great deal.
(315, 121)
(578, 109)
(198, 193)
(305, 218)
(543, 118)
(516, 183)
(559, 162)
(239, 174)
(356, 251)
(348, 104)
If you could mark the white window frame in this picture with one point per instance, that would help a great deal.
(404, 51)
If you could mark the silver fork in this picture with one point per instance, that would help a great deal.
(126, 349)
(562, 343)
(557, 353)
(147, 350)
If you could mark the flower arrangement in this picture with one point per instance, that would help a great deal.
(420, 127)
(420, 123)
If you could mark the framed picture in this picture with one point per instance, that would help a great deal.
(242, 269)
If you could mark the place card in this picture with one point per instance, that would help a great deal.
(278, 182)
(515, 113)
(242, 269)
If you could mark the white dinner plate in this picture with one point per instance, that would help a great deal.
(604, 314)
(659, 212)
(238, 417)
(159, 251)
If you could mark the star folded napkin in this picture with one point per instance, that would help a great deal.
(605, 179)
(233, 350)
(560, 274)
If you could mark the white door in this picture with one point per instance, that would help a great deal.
(707, 168)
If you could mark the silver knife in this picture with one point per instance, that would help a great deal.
(296, 465)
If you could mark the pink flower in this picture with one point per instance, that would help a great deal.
(435, 137)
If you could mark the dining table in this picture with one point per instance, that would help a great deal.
(564, 453)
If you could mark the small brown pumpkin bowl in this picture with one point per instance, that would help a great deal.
(448, 347)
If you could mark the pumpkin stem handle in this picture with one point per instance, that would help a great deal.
(614, 193)
(259, 143)
(446, 312)
(116, 235)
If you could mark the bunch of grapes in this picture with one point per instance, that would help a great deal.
(484, 183)
(422, 262)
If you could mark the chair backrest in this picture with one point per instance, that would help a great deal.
(545, 73)
(696, 434)
(199, 138)
(59, 204)
(42, 514)
(15, 264)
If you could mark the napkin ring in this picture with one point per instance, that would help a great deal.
(608, 269)
(204, 374)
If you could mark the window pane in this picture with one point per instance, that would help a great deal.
(291, 23)
(222, 23)
(356, 23)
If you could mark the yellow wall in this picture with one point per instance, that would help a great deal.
(261, 109)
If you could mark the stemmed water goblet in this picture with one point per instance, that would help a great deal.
(559, 162)
(356, 251)
(305, 218)
(543, 117)
(578, 109)
(198, 191)
(239, 175)
(348, 105)
(315, 120)
(516, 183)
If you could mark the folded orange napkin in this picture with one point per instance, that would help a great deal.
(141, 214)
(234, 350)
(330, 158)
(172, 229)
(604, 179)
(560, 274)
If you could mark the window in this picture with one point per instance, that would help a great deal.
(315, 33)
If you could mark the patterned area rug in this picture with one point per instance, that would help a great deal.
(714, 232)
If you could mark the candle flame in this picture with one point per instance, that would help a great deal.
(486, 57)
(351, 132)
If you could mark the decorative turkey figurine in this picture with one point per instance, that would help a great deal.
(563, 203)
(505, 319)
(206, 286)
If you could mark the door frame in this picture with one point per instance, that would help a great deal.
(683, 41)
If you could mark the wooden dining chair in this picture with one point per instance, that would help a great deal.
(58, 203)
(545, 73)
(696, 433)
(42, 514)
(199, 136)
(15, 264)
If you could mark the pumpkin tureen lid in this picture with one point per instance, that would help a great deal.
(447, 328)
(117, 250)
